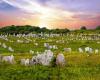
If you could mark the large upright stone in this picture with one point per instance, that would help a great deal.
(60, 60)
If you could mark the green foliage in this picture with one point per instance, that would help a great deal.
(30, 29)
(83, 28)
(53, 62)
(98, 28)
(79, 67)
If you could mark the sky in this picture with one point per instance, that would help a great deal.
(71, 14)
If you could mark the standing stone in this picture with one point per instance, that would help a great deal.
(60, 60)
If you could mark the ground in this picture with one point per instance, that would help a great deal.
(79, 66)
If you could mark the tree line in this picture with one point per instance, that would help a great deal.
(30, 29)
(35, 29)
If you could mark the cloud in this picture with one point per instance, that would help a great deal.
(25, 5)
(86, 16)
(76, 5)
(1, 2)
(30, 6)
(45, 13)
(55, 12)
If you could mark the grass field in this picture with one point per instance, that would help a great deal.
(79, 66)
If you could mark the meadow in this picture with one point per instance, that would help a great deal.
(79, 66)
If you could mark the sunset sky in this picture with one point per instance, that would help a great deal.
(69, 14)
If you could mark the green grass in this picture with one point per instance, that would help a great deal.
(25, 47)
(79, 66)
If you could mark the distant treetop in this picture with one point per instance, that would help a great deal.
(83, 28)
(98, 27)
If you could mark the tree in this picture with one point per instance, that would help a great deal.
(30, 29)
(83, 28)
(98, 28)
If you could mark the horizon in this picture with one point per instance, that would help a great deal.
(54, 28)
(70, 14)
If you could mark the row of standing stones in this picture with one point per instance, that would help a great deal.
(46, 58)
